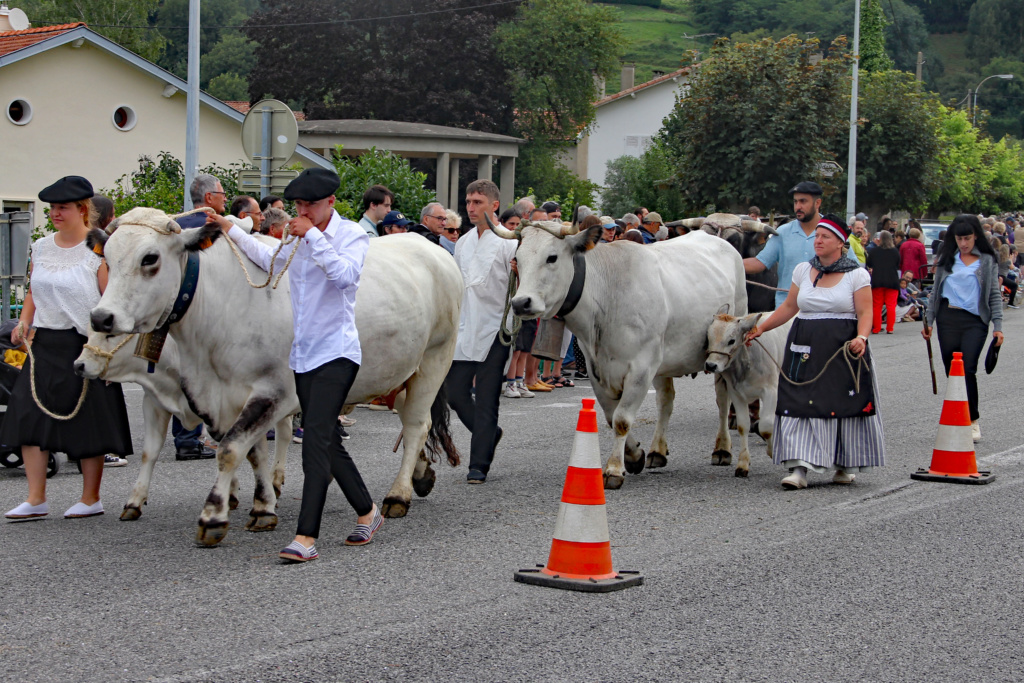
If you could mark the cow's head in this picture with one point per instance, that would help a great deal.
(741, 233)
(145, 254)
(545, 263)
(725, 338)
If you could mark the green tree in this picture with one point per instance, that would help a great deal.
(872, 38)
(897, 144)
(642, 181)
(758, 117)
(229, 87)
(374, 167)
(554, 89)
(233, 54)
(540, 172)
(996, 29)
(104, 16)
(172, 21)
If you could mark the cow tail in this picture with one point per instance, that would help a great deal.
(439, 438)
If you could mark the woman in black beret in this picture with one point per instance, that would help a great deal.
(67, 279)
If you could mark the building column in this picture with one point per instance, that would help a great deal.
(453, 186)
(507, 171)
(441, 190)
(484, 162)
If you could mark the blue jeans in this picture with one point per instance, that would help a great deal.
(185, 439)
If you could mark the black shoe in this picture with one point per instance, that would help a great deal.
(344, 434)
(476, 477)
(197, 452)
(581, 375)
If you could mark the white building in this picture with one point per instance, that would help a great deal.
(626, 121)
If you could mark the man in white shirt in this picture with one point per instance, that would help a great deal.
(484, 259)
(377, 203)
(325, 354)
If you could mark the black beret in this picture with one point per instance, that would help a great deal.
(806, 187)
(312, 185)
(548, 207)
(70, 188)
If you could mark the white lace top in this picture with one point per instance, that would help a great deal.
(828, 302)
(64, 286)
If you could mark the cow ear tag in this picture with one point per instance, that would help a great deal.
(205, 243)
(97, 249)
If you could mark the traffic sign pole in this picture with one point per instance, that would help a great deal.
(268, 119)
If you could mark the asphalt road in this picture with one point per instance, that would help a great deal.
(887, 580)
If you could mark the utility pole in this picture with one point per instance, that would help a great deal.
(192, 106)
(920, 65)
(851, 164)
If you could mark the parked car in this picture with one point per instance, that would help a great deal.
(931, 231)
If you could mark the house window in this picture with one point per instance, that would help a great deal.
(19, 112)
(124, 118)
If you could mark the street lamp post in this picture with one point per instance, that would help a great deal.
(974, 107)
(851, 163)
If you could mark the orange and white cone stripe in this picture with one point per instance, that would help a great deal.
(581, 547)
(954, 447)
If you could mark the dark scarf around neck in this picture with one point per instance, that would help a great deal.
(843, 264)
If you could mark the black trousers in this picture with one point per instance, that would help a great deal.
(962, 331)
(322, 394)
(479, 416)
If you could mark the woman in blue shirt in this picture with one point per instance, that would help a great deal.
(965, 299)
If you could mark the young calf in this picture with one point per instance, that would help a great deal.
(744, 374)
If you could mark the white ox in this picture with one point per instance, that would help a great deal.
(162, 398)
(234, 344)
(744, 375)
(642, 317)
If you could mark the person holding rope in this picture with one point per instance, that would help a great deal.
(50, 408)
(329, 252)
(827, 414)
(480, 356)
(965, 300)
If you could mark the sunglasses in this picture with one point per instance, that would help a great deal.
(453, 230)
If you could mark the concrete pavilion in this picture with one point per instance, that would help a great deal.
(448, 146)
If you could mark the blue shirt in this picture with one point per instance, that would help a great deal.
(790, 247)
(962, 287)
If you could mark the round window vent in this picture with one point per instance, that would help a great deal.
(19, 112)
(124, 118)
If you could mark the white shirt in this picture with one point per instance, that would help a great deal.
(484, 262)
(64, 285)
(324, 277)
(828, 302)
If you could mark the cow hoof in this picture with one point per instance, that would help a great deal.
(130, 513)
(425, 484)
(634, 466)
(613, 482)
(742, 473)
(394, 508)
(656, 460)
(232, 502)
(721, 458)
(261, 521)
(211, 533)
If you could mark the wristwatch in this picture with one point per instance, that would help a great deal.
(861, 336)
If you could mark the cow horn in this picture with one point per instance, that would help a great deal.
(112, 226)
(172, 226)
(752, 226)
(499, 230)
(693, 222)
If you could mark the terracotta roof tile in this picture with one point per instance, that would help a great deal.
(243, 108)
(642, 86)
(16, 40)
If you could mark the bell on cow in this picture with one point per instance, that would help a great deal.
(548, 343)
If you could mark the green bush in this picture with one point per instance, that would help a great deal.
(160, 184)
(540, 173)
(376, 167)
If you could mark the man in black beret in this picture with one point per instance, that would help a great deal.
(795, 242)
(325, 355)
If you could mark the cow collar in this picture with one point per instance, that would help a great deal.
(151, 345)
(579, 278)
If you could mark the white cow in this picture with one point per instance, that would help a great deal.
(744, 375)
(642, 316)
(235, 341)
(162, 398)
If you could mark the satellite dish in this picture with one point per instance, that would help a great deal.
(18, 19)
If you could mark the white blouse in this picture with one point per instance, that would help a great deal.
(64, 285)
(828, 302)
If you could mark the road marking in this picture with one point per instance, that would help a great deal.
(1013, 456)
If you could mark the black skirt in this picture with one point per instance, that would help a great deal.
(836, 394)
(100, 427)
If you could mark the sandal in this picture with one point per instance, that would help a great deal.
(567, 383)
(555, 382)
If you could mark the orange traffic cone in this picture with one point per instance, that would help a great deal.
(953, 457)
(581, 551)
